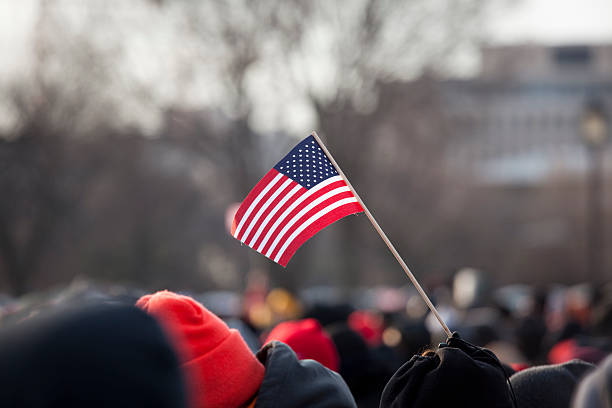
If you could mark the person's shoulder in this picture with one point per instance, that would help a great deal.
(290, 382)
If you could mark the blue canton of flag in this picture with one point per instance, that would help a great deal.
(306, 164)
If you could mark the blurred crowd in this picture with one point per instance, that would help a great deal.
(106, 345)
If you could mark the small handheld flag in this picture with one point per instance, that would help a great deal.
(302, 194)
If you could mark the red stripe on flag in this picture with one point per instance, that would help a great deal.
(299, 208)
(255, 215)
(308, 214)
(271, 213)
(273, 221)
(253, 223)
(251, 197)
(315, 227)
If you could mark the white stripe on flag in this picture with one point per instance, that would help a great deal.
(304, 210)
(255, 202)
(293, 206)
(263, 208)
(265, 222)
(312, 219)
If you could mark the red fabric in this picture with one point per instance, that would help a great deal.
(308, 340)
(220, 369)
(562, 352)
(251, 197)
(519, 366)
(368, 324)
(322, 222)
(569, 350)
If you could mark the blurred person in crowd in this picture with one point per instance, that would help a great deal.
(582, 347)
(595, 390)
(402, 338)
(371, 326)
(330, 314)
(96, 356)
(549, 386)
(600, 318)
(221, 371)
(584, 334)
(352, 346)
(360, 367)
(531, 329)
(308, 340)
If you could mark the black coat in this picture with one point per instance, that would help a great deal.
(293, 383)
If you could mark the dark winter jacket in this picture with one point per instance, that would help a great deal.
(293, 383)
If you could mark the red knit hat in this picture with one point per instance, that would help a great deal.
(308, 340)
(220, 369)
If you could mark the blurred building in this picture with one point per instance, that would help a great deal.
(518, 122)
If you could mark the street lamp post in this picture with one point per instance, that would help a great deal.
(595, 133)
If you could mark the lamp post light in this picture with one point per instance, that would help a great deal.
(595, 133)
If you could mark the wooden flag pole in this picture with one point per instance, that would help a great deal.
(385, 239)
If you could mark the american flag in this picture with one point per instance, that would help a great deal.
(299, 197)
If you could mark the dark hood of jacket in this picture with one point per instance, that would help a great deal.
(293, 383)
(99, 356)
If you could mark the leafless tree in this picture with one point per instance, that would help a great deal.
(85, 169)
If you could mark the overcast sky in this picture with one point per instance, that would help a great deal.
(553, 22)
(549, 22)
(543, 21)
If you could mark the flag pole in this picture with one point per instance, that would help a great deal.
(385, 239)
